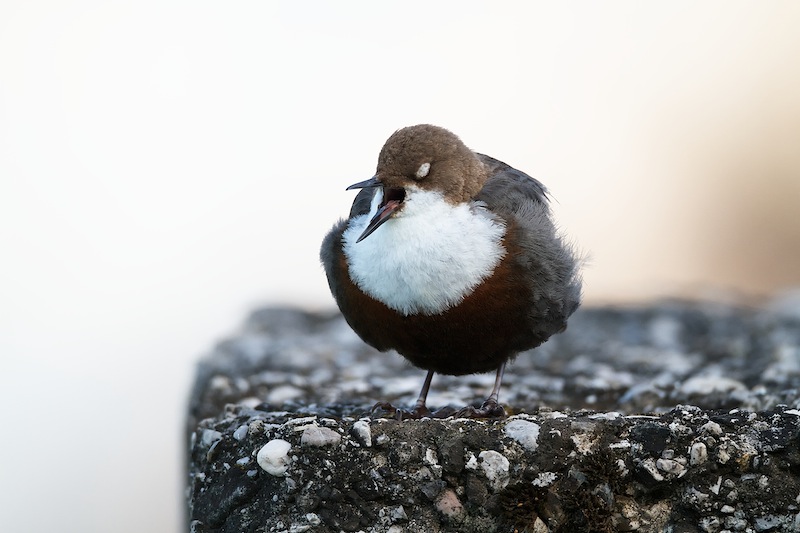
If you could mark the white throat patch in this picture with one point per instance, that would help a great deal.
(428, 257)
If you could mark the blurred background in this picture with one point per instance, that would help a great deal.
(166, 167)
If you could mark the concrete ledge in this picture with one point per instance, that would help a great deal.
(674, 417)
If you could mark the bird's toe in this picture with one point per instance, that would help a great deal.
(419, 411)
(489, 409)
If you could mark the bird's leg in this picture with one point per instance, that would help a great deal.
(491, 402)
(490, 407)
(420, 409)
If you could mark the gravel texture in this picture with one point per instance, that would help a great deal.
(670, 417)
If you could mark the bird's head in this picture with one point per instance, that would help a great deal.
(422, 157)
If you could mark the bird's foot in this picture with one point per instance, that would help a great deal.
(489, 409)
(418, 412)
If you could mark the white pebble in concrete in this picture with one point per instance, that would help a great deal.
(273, 457)
(209, 437)
(712, 428)
(545, 479)
(649, 465)
(241, 432)
(524, 432)
(670, 466)
(431, 458)
(283, 393)
(398, 514)
(362, 432)
(495, 468)
(319, 436)
(698, 454)
(702, 385)
(472, 463)
(539, 526)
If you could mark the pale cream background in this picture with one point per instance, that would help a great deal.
(167, 166)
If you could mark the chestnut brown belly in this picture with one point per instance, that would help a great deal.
(491, 325)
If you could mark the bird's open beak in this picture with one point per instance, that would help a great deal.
(372, 182)
(392, 198)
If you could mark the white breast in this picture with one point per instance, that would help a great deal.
(428, 257)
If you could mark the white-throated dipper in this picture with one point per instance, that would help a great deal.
(451, 258)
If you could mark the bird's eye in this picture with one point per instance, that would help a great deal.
(422, 171)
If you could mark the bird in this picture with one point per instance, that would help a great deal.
(452, 259)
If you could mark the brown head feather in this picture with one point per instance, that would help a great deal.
(455, 170)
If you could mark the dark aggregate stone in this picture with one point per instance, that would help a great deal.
(432, 489)
(451, 452)
(654, 437)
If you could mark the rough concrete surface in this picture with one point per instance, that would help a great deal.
(674, 417)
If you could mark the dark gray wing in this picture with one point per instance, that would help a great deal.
(551, 263)
(508, 188)
(363, 201)
(331, 248)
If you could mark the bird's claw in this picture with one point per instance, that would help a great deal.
(418, 412)
(399, 414)
(489, 409)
